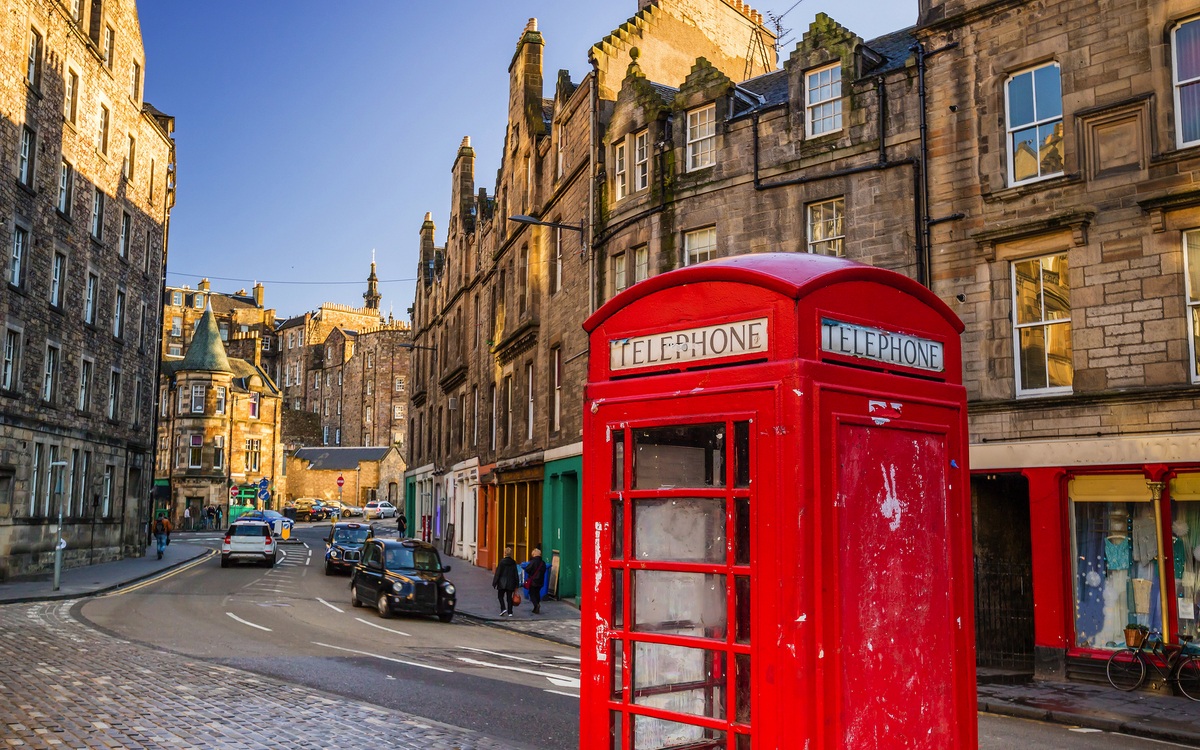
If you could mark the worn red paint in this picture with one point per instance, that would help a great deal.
(850, 474)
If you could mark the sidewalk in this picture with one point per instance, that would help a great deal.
(558, 621)
(97, 579)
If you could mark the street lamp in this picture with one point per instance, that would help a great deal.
(416, 346)
(523, 219)
(58, 544)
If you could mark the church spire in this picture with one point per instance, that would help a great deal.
(372, 293)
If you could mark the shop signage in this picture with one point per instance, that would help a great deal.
(882, 346)
(690, 345)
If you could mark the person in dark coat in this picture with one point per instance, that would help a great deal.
(401, 524)
(535, 578)
(505, 582)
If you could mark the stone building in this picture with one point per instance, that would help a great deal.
(367, 474)
(218, 427)
(239, 316)
(83, 218)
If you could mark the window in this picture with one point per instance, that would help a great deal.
(397, 411)
(562, 149)
(135, 81)
(177, 300)
(291, 339)
(119, 315)
(826, 231)
(175, 350)
(300, 338)
(368, 415)
(337, 437)
(556, 389)
(641, 264)
(143, 324)
(114, 395)
(555, 270)
(33, 69)
(85, 385)
(126, 235)
(130, 158)
(1042, 325)
(198, 303)
(12, 360)
(824, 102)
(150, 186)
(339, 406)
(19, 244)
(641, 160)
(253, 454)
(619, 174)
(1185, 42)
(197, 399)
(701, 137)
(529, 402)
(50, 374)
(162, 402)
(28, 152)
(325, 408)
(1191, 252)
(523, 278)
(253, 404)
(618, 270)
(399, 385)
(508, 409)
(137, 402)
(89, 309)
(218, 451)
(70, 504)
(339, 377)
(1035, 128)
(98, 215)
(109, 45)
(324, 436)
(182, 400)
(66, 182)
(194, 451)
(700, 245)
(317, 380)
(58, 272)
(176, 325)
(38, 465)
(106, 492)
(220, 406)
(370, 360)
(370, 387)
(71, 100)
(102, 130)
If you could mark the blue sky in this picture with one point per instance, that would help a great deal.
(310, 132)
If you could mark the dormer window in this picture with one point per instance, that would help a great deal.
(824, 100)
(701, 137)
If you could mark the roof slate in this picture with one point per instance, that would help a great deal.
(895, 46)
(340, 459)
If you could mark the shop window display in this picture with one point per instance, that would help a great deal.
(1185, 550)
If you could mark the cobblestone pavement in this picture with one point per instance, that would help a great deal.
(63, 684)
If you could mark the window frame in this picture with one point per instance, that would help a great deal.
(98, 201)
(27, 157)
(58, 279)
(118, 329)
(18, 254)
(114, 394)
(1009, 130)
(809, 242)
(694, 155)
(103, 123)
(620, 273)
(35, 59)
(836, 101)
(253, 405)
(10, 360)
(1189, 293)
(641, 263)
(620, 171)
(66, 188)
(641, 160)
(126, 235)
(1021, 391)
(91, 298)
(86, 374)
(197, 402)
(71, 96)
(687, 250)
(51, 372)
(1177, 85)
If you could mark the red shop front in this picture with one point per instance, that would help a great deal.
(777, 514)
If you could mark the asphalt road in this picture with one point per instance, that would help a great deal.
(295, 623)
(1002, 732)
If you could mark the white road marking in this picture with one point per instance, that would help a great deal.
(307, 560)
(556, 692)
(385, 658)
(556, 679)
(327, 604)
(374, 625)
(246, 622)
(567, 658)
(510, 656)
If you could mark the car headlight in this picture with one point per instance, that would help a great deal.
(335, 552)
(449, 589)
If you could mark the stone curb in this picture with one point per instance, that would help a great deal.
(500, 625)
(1182, 737)
(55, 597)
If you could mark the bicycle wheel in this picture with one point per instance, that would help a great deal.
(1126, 670)
(1188, 676)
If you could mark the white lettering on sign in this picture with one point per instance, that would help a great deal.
(881, 346)
(689, 345)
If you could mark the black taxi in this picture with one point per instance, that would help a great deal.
(343, 546)
(402, 575)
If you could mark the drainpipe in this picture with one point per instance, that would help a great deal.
(926, 255)
(592, 156)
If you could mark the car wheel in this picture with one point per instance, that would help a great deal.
(381, 604)
(224, 562)
(328, 569)
(354, 601)
(271, 562)
(446, 616)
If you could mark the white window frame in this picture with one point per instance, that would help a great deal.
(92, 294)
(254, 405)
(1009, 130)
(833, 101)
(114, 394)
(27, 156)
(10, 367)
(197, 399)
(691, 238)
(218, 451)
(838, 239)
(620, 279)
(325, 435)
(33, 67)
(529, 401)
(86, 368)
(119, 314)
(103, 122)
(1191, 296)
(18, 253)
(1178, 85)
(641, 263)
(1023, 392)
(195, 451)
(106, 492)
(620, 175)
(701, 137)
(126, 235)
(66, 181)
(556, 274)
(176, 325)
(51, 372)
(98, 215)
(58, 279)
(71, 96)
(556, 373)
(641, 160)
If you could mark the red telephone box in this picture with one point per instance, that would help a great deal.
(777, 513)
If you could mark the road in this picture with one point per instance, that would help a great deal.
(294, 623)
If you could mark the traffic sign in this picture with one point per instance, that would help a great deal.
(341, 481)
(264, 483)
(233, 491)
(264, 495)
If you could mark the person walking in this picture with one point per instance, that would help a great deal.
(535, 577)
(187, 517)
(401, 524)
(505, 582)
(162, 532)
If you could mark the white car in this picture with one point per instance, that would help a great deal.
(248, 541)
(381, 509)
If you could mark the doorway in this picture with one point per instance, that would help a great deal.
(1003, 553)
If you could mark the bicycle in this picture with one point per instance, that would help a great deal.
(1126, 668)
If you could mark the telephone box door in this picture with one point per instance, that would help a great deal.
(673, 518)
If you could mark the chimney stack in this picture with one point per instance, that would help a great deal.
(258, 294)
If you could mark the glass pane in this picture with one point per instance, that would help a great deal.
(1189, 112)
(1020, 100)
(741, 608)
(616, 729)
(741, 446)
(1187, 51)
(618, 463)
(1047, 86)
(1056, 288)
(659, 734)
(618, 599)
(1025, 154)
(1059, 369)
(741, 540)
(618, 529)
(743, 742)
(679, 529)
(679, 679)
(1033, 358)
(742, 688)
(685, 456)
(1026, 300)
(679, 603)
(1192, 242)
(1185, 541)
(1116, 571)
(1050, 148)
(616, 674)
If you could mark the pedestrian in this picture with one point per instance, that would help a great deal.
(535, 576)
(162, 532)
(187, 517)
(401, 524)
(505, 582)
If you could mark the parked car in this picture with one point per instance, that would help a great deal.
(381, 509)
(343, 546)
(269, 517)
(402, 575)
(248, 541)
(311, 509)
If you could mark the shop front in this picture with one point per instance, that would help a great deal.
(518, 511)
(561, 519)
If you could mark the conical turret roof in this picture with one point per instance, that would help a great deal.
(206, 352)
